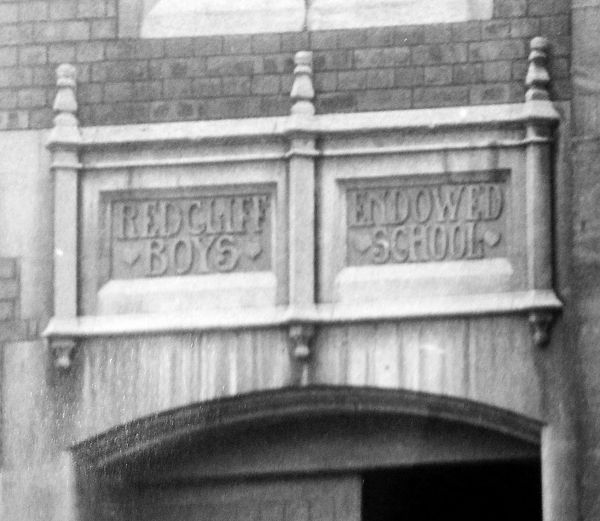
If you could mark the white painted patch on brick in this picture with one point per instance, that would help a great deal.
(347, 14)
(173, 18)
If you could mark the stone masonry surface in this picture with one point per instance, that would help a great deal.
(12, 327)
(134, 81)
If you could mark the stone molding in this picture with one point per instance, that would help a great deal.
(151, 435)
(503, 115)
(320, 314)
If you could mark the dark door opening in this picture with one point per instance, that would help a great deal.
(466, 492)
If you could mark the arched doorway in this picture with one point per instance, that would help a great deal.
(494, 491)
(319, 453)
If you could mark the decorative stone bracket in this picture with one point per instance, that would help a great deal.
(300, 338)
(62, 350)
(300, 130)
(541, 326)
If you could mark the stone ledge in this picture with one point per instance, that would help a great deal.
(428, 307)
(428, 119)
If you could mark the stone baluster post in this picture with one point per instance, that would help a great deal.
(64, 142)
(301, 213)
(540, 128)
(558, 447)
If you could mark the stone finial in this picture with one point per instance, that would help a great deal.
(302, 90)
(66, 125)
(537, 75)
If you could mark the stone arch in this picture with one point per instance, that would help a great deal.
(150, 438)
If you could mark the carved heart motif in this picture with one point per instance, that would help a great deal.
(253, 249)
(130, 257)
(492, 238)
(361, 243)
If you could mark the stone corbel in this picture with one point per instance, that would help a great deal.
(540, 323)
(301, 336)
(62, 350)
(64, 142)
(542, 119)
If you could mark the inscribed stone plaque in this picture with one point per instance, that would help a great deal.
(427, 218)
(175, 232)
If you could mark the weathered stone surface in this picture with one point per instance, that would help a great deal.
(488, 360)
(444, 220)
(161, 234)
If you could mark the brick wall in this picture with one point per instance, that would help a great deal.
(12, 326)
(129, 81)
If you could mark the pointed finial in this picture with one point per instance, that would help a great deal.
(302, 90)
(66, 82)
(537, 75)
(66, 125)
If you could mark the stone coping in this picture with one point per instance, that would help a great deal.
(362, 122)
(324, 314)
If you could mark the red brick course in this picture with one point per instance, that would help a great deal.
(133, 81)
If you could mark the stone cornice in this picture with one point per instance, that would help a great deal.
(82, 327)
(361, 122)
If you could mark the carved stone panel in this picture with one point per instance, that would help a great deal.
(192, 231)
(427, 218)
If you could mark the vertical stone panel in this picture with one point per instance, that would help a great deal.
(330, 355)
(502, 369)
(244, 356)
(360, 344)
(384, 364)
(490, 360)
(486, 359)
(123, 379)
